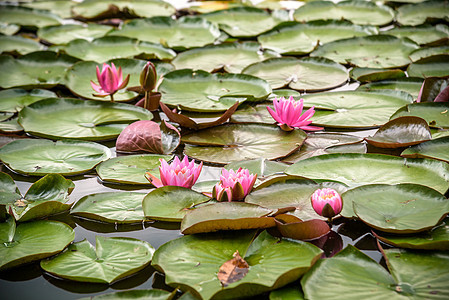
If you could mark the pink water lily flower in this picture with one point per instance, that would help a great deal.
(110, 80)
(327, 202)
(234, 186)
(287, 112)
(178, 173)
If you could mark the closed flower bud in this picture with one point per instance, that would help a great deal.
(148, 77)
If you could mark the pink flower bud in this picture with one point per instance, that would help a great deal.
(234, 186)
(326, 202)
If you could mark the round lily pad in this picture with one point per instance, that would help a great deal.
(60, 8)
(197, 271)
(360, 169)
(419, 13)
(130, 169)
(432, 66)
(354, 108)
(424, 34)
(242, 21)
(26, 16)
(435, 239)
(428, 51)
(98, 9)
(410, 85)
(307, 74)
(65, 118)
(228, 143)
(63, 34)
(205, 92)
(260, 166)
(10, 126)
(184, 33)
(13, 100)
(171, 203)
(226, 216)
(18, 44)
(435, 113)
(40, 157)
(376, 51)
(113, 47)
(374, 74)
(358, 12)
(232, 57)
(401, 132)
(8, 189)
(32, 241)
(436, 149)
(302, 38)
(153, 294)
(113, 259)
(8, 29)
(111, 207)
(41, 69)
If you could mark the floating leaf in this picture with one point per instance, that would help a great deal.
(435, 113)
(228, 143)
(26, 16)
(18, 44)
(8, 190)
(360, 169)
(424, 34)
(112, 207)
(373, 74)
(113, 259)
(419, 13)
(129, 169)
(65, 118)
(432, 66)
(63, 34)
(307, 74)
(171, 203)
(427, 52)
(411, 85)
(13, 100)
(196, 272)
(32, 241)
(260, 166)
(60, 8)
(40, 157)
(306, 231)
(233, 270)
(153, 294)
(436, 149)
(287, 293)
(205, 92)
(401, 132)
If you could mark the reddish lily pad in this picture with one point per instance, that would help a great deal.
(299, 230)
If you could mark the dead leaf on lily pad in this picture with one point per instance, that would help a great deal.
(233, 270)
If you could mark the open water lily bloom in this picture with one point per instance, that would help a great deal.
(327, 202)
(110, 80)
(179, 173)
(234, 186)
(288, 114)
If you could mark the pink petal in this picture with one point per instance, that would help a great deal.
(274, 115)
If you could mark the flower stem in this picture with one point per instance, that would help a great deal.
(146, 104)
(112, 97)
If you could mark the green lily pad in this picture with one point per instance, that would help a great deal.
(60, 8)
(432, 66)
(113, 259)
(8, 189)
(401, 132)
(113, 47)
(229, 143)
(435, 239)
(80, 75)
(358, 12)
(424, 34)
(376, 51)
(436, 149)
(260, 166)
(205, 92)
(130, 169)
(171, 203)
(65, 118)
(19, 44)
(307, 74)
(232, 57)
(373, 74)
(11, 126)
(242, 21)
(419, 13)
(254, 114)
(435, 113)
(226, 216)
(13, 100)
(325, 143)
(47, 196)
(153, 294)
(111, 207)
(291, 192)
(420, 53)
(360, 169)
(181, 34)
(8, 29)
(287, 293)
(410, 85)
(63, 34)
(197, 271)
(413, 275)
(40, 157)
(302, 38)
(98, 9)
(400, 209)
(27, 16)
(355, 109)
(32, 241)
(41, 69)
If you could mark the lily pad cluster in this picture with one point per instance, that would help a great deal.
(375, 74)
